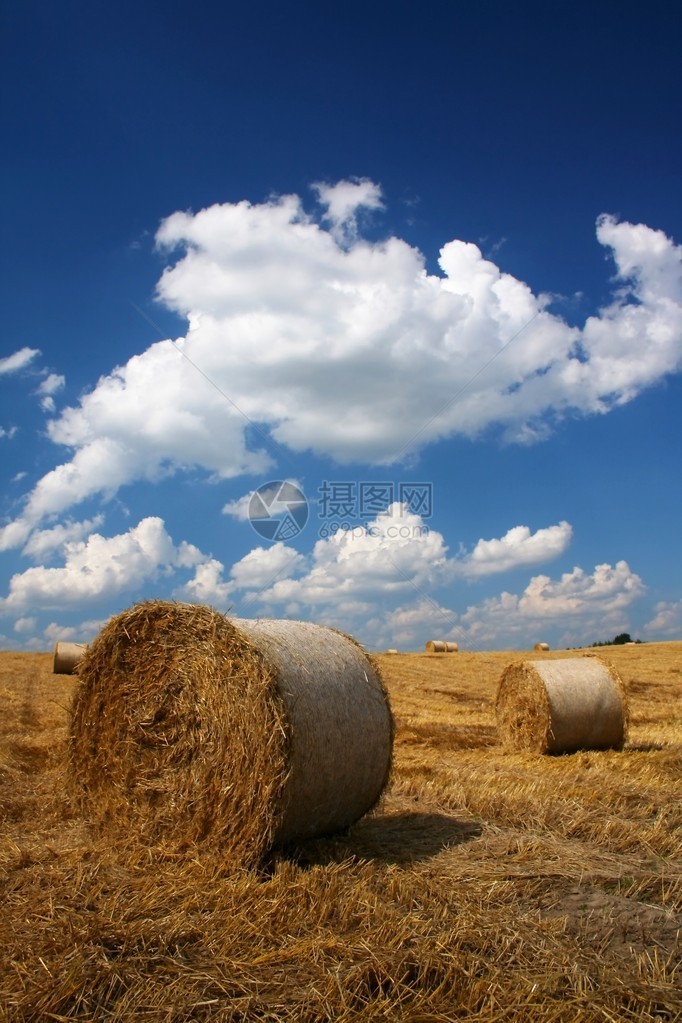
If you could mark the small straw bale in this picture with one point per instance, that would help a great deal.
(441, 646)
(194, 731)
(542, 646)
(391, 651)
(67, 657)
(562, 705)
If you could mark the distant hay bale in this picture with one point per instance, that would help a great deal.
(562, 705)
(542, 646)
(391, 651)
(192, 730)
(440, 646)
(67, 656)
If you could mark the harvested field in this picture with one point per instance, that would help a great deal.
(487, 885)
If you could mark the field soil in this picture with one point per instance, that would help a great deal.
(487, 885)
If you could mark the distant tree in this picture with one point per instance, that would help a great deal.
(619, 640)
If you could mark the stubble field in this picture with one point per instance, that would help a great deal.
(487, 885)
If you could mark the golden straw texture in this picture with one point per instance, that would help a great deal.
(561, 705)
(189, 731)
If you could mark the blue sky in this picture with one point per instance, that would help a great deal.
(428, 255)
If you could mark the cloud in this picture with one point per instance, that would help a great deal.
(570, 605)
(49, 386)
(99, 568)
(45, 541)
(611, 588)
(85, 632)
(19, 360)
(517, 548)
(207, 585)
(577, 601)
(667, 621)
(242, 509)
(261, 567)
(343, 201)
(413, 626)
(9, 433)
(25, 624)
(374, 563)
(305, 336)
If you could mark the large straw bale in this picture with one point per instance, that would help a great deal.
(561, 705)
(193, 730)
(435, 646)
(451, 648)
(542, 646)
(67, 657)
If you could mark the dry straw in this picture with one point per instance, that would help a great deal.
(441, 646)
(542, 646)
(198, 731)
(67, 657)
(561, 705)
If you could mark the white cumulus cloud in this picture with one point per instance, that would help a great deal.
(43, 542)
(667, 621)
(518, 547)
(344, 200)
(305, 336)
(99, 568)
(85, 632)
(394, 554)
(18, 360)
(585, 606)
(26, 624)
(52, 383)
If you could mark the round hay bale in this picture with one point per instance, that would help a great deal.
(435, 646)
(67, 656)
(192, 730)
(559, 706)
(542, 646)
(391, 651)
(451, 648)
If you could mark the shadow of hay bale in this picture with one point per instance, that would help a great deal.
(397, 838)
